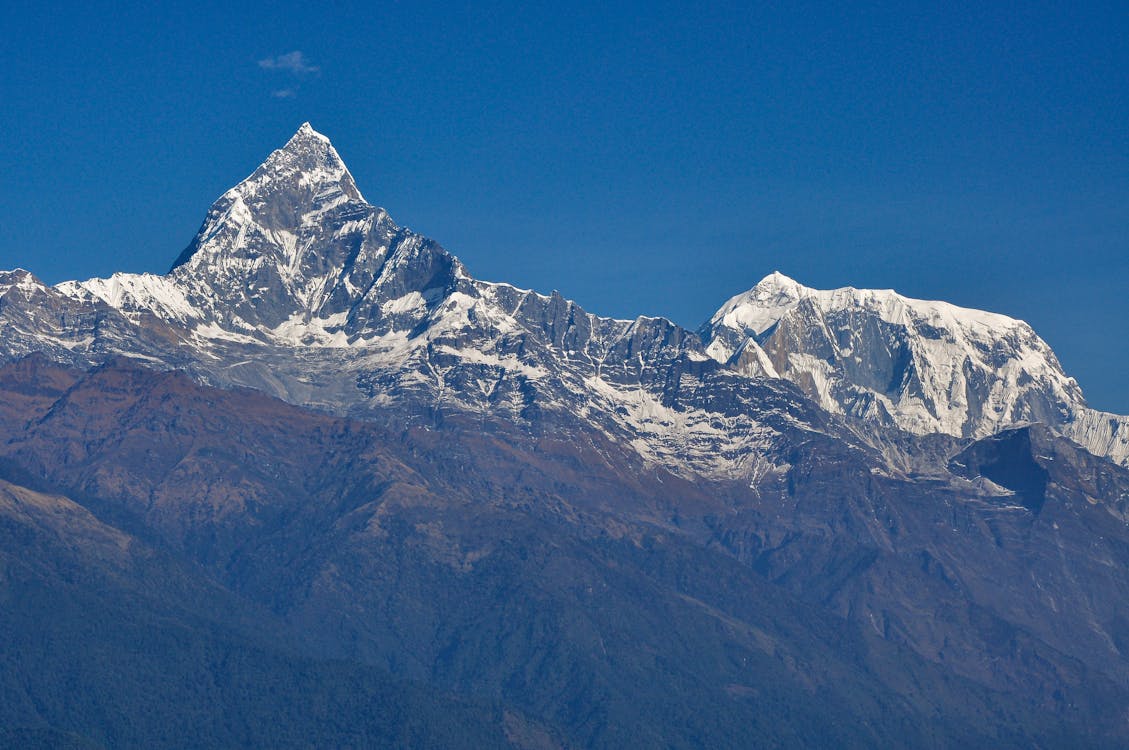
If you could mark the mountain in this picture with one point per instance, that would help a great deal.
(923, 367)
(298, 287)
(318, 453)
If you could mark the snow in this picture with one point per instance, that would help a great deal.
(410, 302)
(134, 294)
(509, 363)
(26, 282)
(1101, 433)
(760, 308)
(305, 129)
(297, 331)
(967, 372)
(214, 332)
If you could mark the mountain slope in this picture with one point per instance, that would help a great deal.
(109, 642)
(611, 603)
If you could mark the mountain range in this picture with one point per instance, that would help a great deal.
(318, 471)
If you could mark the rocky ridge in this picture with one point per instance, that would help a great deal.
(298, 287)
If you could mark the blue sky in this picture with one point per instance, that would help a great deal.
(649, 159)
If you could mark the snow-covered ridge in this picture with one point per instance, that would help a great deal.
(18, 278)
(1101, 433)
(137, 294)
(926, 366)
(762, 307)
(297, 286)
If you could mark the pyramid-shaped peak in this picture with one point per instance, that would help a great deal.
(778, 282)
(307, 130)
(306, 139)
(307, 160)
(776, 278)
(298, 188)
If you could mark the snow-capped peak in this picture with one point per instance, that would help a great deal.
(20, 278)
(308, 160)
(929, 366)
(756, 311)
(306, 129)
(778, 283)
(302, 192)
(292, 248)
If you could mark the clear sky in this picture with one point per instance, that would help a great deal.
(654, 158)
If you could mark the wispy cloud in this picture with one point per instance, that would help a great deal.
(294, 62)
(293, 66)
